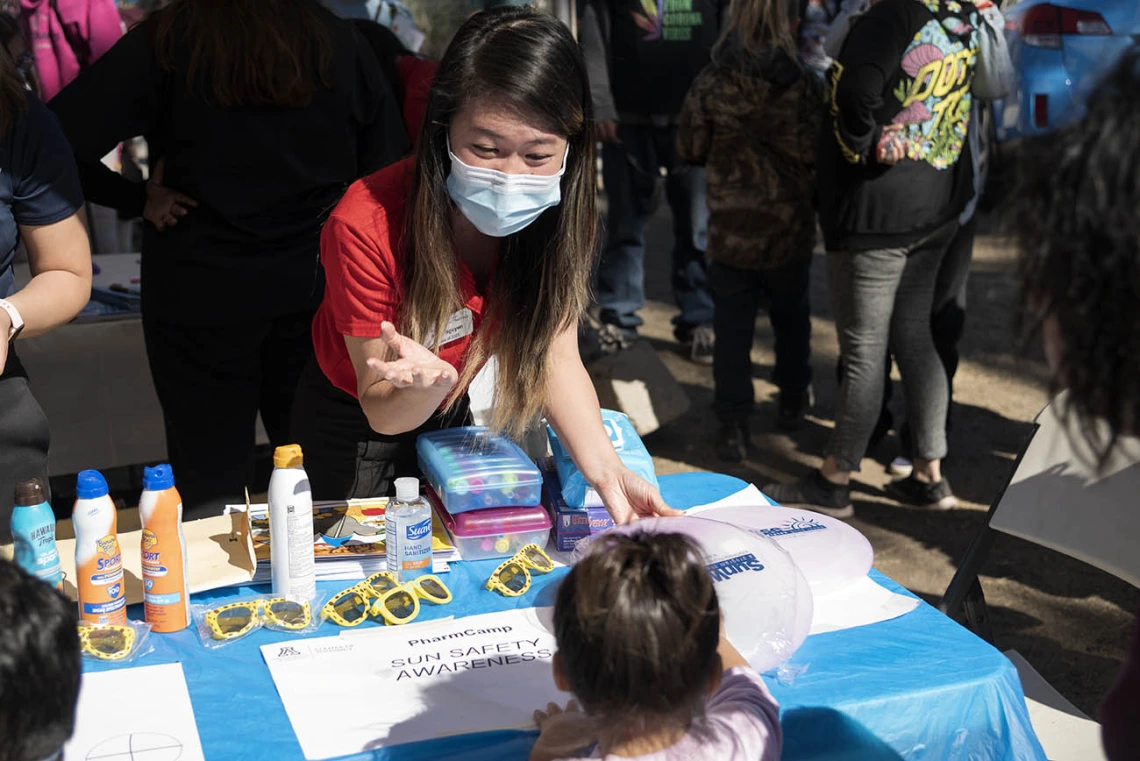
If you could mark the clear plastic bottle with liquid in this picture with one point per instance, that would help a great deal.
(407, 526)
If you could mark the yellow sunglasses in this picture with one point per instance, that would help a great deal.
(512, 578)
(110, 642)
(394, 602)
(237, 619)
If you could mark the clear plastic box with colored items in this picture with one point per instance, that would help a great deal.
(471, 469)
(496, 532)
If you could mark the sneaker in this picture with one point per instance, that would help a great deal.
(733, 442)
(614, 338)
(933, 496)
(901, 467)
(700, 341)
(814, 492)
(792, 408)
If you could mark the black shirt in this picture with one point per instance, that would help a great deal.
(38, 181)
(656, 50)
(908, 62)
(38, 186)
(265, 178)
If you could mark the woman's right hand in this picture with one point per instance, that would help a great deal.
(164, 207)
(415, 365)
(892, 145)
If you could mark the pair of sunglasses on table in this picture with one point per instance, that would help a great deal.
(382, 595)
(235, 620)
(512, 578)
(107, 642)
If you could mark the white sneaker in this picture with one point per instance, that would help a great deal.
(901, 467)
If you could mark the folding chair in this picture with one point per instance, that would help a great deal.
(1057, 497)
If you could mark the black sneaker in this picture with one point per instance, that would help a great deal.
(814, 492)
(792, 408)
(733, 442)
(933, 496)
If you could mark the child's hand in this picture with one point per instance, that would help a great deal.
(561, 733)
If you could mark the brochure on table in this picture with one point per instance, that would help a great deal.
(476, 674)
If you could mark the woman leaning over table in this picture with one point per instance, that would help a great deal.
(481, 245)
(40, 200)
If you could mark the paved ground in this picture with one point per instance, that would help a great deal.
(1069, 620)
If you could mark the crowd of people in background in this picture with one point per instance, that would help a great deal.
(755, 120)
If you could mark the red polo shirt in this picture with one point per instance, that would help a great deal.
(363, 256)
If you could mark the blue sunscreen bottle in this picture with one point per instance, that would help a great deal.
(33, 533)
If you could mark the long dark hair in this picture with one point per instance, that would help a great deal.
(1074, 217)
(637, 622)
(247, 52)
(13, 94)
(528, 60)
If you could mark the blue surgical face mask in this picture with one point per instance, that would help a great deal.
(501, 204)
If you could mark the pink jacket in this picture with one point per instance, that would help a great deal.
(93, 24)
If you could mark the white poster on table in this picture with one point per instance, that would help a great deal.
(474, 674)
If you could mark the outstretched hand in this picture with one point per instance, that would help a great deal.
(562, 733)
(415, 365)
(628, 497)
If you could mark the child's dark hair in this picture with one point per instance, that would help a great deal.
(1074, 216)
(638, 623)
(39, 667)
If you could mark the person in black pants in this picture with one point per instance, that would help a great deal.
(751, 119)
(258, 115)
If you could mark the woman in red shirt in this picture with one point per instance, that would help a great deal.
(482, 245)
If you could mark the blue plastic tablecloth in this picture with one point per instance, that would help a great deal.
(917, 687)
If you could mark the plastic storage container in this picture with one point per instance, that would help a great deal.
(470, 469)
(575, 490)
(496, 532)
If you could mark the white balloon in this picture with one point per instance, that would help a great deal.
(830, 553)
(766, 601)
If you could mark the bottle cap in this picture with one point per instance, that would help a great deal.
(30, 492)
(158, 478)
(91, 485)
(288, 456)
(407, 489)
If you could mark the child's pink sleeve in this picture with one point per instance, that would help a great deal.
(745, 714)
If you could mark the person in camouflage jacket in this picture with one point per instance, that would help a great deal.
(752, 118)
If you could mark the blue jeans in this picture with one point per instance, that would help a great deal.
(630, 169)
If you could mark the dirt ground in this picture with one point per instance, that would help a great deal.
(1069, 620)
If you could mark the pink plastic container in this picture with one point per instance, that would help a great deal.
(496, 532)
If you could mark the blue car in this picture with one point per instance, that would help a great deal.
(1060, 51)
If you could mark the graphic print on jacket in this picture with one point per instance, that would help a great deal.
(668, 20)
(933, 90)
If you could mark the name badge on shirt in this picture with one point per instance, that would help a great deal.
(459, 325)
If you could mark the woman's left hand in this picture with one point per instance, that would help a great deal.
(629, 497)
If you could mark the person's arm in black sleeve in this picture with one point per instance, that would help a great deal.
(592, 39)
(382, 138)
(114, 100)
(870, 57)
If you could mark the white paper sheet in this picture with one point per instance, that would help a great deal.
(475, 674)
(150, 718)
(743, 498)
(862, 603)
